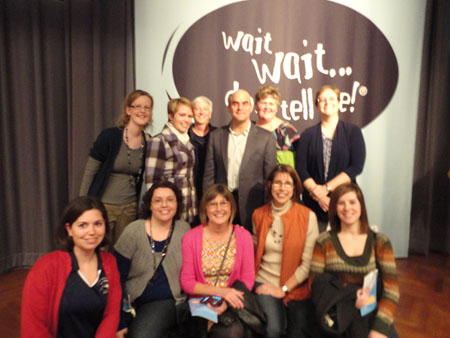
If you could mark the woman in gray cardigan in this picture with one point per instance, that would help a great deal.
(149, 259)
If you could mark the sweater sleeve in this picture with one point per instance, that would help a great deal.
(108, 326)
(301, 156)
(389, 299)
(92, 168)
(302, 272)
(247, 273)
(154, 161)
(36, 313)
(318, 259)
(357, 153)
(123, 265)
(188, 278)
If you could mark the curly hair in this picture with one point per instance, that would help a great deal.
(144, 210)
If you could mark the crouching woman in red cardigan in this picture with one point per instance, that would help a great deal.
(74, 291)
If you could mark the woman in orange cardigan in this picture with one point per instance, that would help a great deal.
(284, 233)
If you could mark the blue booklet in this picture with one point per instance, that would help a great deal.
(370, 282)
(202, 310)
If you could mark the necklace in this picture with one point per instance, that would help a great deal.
(166, 244)
(277, 237)
(163, 252)
(134, 178)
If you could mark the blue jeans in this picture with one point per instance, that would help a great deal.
(291, 320)
(154, 319)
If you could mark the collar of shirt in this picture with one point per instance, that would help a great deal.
(183, 137)
(246, 131)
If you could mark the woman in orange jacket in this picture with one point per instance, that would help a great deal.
(284, 234)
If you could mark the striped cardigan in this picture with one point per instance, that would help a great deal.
(329, 256)
(168, 159)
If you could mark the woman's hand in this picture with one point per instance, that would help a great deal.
(361, 298)
(233, 297)
(122, 333)
(376, 334)
(219, 309)
(324, 203)
(270, 290)
(318, 192)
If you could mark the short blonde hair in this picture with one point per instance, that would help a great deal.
(266, 91)
(173, 104)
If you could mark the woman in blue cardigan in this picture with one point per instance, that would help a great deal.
(115, 167)
(328, 154)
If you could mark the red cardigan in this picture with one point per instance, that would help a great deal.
(44, 287)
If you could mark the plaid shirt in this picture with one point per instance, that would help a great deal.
(168, 159)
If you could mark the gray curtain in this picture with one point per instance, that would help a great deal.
(430, 212)
(65, 67)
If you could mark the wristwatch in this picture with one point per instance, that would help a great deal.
(328, 187)
(285, 289)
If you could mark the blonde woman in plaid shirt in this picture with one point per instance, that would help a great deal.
(170, 155)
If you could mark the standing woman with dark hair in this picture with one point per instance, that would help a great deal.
(114, 170)
(74, 291)
(329, 154)
(170, 156)
(149, 259)
(348, 252)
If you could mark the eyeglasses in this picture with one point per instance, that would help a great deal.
(159, 201)
(146, 109)
(215, 205)
(279, 184)
(330, 100)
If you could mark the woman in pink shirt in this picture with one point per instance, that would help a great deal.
(215, 255)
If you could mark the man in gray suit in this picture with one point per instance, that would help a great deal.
(241, 156)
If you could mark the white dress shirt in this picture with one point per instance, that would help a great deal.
(236, 149)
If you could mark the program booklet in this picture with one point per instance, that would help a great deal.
(370, 282)
(202, 310)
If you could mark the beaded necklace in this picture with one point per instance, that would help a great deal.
(166, 245)
(134, 178)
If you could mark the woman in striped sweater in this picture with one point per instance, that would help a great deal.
(350, 250)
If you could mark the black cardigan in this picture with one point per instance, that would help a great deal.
(348, 154)
(105, 149)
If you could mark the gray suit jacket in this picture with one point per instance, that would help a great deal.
(258, 161)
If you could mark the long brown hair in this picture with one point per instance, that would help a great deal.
(124, 118)
(341, 190)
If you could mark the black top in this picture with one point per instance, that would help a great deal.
(158, 287)
(81, 308)
(199, 143)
